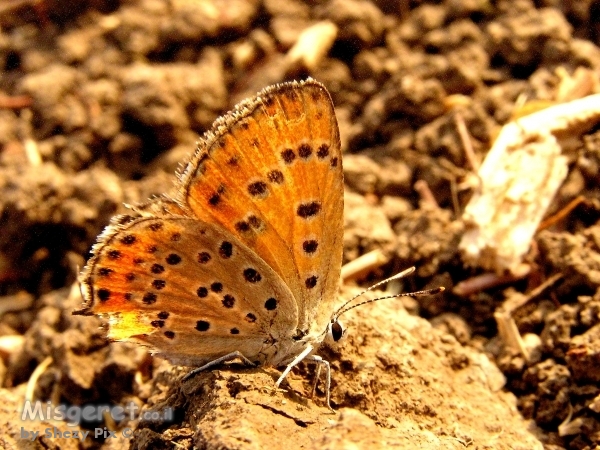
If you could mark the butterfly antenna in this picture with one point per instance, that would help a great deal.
(370, 288)
(345, 308)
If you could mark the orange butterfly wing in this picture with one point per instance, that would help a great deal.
(270, 173)
(188, 289)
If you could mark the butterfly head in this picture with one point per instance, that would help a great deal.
(335, 331)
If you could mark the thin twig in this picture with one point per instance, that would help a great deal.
(561, 214)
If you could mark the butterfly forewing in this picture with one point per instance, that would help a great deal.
(270, 173)
(187, 288)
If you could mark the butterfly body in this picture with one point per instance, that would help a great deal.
(244, 260)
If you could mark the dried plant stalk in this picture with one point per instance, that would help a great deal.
(519, 179)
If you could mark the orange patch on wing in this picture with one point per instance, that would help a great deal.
(127, 325)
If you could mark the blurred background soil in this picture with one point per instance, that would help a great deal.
(100, 100)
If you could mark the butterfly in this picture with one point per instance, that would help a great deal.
(244, 260)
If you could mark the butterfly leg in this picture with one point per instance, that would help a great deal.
(320, 362)
(317, 375)
(229, 357)
(309, 348)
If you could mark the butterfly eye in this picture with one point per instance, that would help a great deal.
(336, 331)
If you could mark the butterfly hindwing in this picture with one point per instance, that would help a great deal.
(186, 288)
